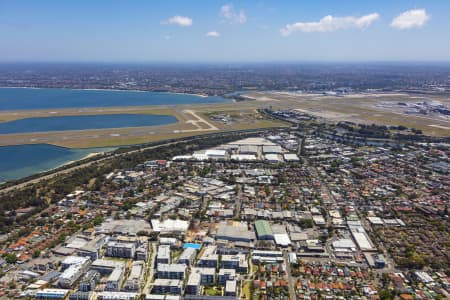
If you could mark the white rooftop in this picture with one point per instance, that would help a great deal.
(169, 225)
(344, 243)
(244, 157)
(116, 295)
(273, 157)
(75, 260)
(291, 157)
(252, 141)
(282, 239)
(362, 240)
(215, 152)
(375, 220)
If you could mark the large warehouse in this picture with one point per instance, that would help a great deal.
(235, 231)
(263, 230)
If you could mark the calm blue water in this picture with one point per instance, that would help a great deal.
(18, 98)
(192, 245)
(24, 160)
(83, 122)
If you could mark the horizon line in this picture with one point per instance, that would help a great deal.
(228, 62)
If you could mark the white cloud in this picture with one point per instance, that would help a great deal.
(214, 34)
(330, 24)
(167, 37)
(178, 20)
(414, 18)
(228, 13)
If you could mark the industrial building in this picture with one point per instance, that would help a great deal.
(263, 230)
(291, 157)
(267, 256)
(243, 157)
(280, 235)
(269, 149)
(248, 149)
(273, 158)
(235, 231)
(216, 154)
(170, 226)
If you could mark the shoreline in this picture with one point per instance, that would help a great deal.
(106, 90)
(89, 155)
(86, 156)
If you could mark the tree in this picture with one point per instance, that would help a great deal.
(98, 220)
(385, 295)
(36, 253)
(127, 205)
(306, 223)
(62, 237)
(11, 258)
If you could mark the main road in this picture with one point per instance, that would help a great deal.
(292, 294)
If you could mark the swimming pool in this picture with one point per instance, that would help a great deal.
(192, 245)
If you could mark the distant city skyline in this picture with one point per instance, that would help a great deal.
(224, 31)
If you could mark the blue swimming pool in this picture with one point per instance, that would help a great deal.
(192, 245)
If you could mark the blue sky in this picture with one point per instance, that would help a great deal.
(223, 31)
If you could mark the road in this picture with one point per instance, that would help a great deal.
(324, 188)
(151, 269)
(237, 209)
(292, 294)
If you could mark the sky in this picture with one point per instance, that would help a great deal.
(222, 31)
